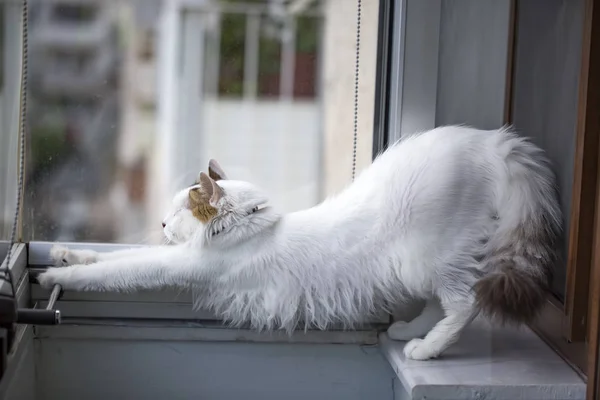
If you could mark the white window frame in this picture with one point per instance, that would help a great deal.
(413, 67)
(22, 340)
(406, 87)
(9, 105)
(19, 271)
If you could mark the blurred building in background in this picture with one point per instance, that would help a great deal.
(137, 96)
(74, 62)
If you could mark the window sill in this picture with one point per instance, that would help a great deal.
(200, 331)
(167, 315)
(487, 363)
(500, 364)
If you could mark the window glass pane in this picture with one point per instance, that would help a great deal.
(126, 110)
(546, 79)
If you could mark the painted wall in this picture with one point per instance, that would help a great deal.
(18, 382)
(473, 48)
(547, 64)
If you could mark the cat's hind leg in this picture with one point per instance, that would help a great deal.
(420, 325)
(458, 303)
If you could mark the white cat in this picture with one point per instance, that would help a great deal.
(461, 217)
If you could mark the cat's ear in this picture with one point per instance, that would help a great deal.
(211, 188)
(215, 171)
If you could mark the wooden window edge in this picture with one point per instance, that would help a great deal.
(565, 327)
(550, 328)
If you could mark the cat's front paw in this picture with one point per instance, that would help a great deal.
(58, 276)
(419, 349)
(51, 277)
(62, 256)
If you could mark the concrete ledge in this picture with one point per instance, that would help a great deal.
(487, 363)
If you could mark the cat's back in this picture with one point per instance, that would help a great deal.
(429, 173)
(435, 154)
(427, 177)
(434, 186)
(445, 141)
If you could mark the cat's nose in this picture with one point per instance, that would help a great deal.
(164, 225)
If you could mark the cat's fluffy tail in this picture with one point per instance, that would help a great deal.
(523, 248)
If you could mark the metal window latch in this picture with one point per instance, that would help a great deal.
(49, 316)
(9, 314)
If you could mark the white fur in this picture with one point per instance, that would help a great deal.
(412, 224)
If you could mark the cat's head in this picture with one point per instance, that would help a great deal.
(216, 209)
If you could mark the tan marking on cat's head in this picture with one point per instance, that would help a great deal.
(200, 205)
(203, 199)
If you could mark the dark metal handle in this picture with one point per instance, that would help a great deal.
(31, 316)
(49, 316)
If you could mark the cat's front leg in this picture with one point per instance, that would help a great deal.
(62, 256)
(153, 269)
(63, 276)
